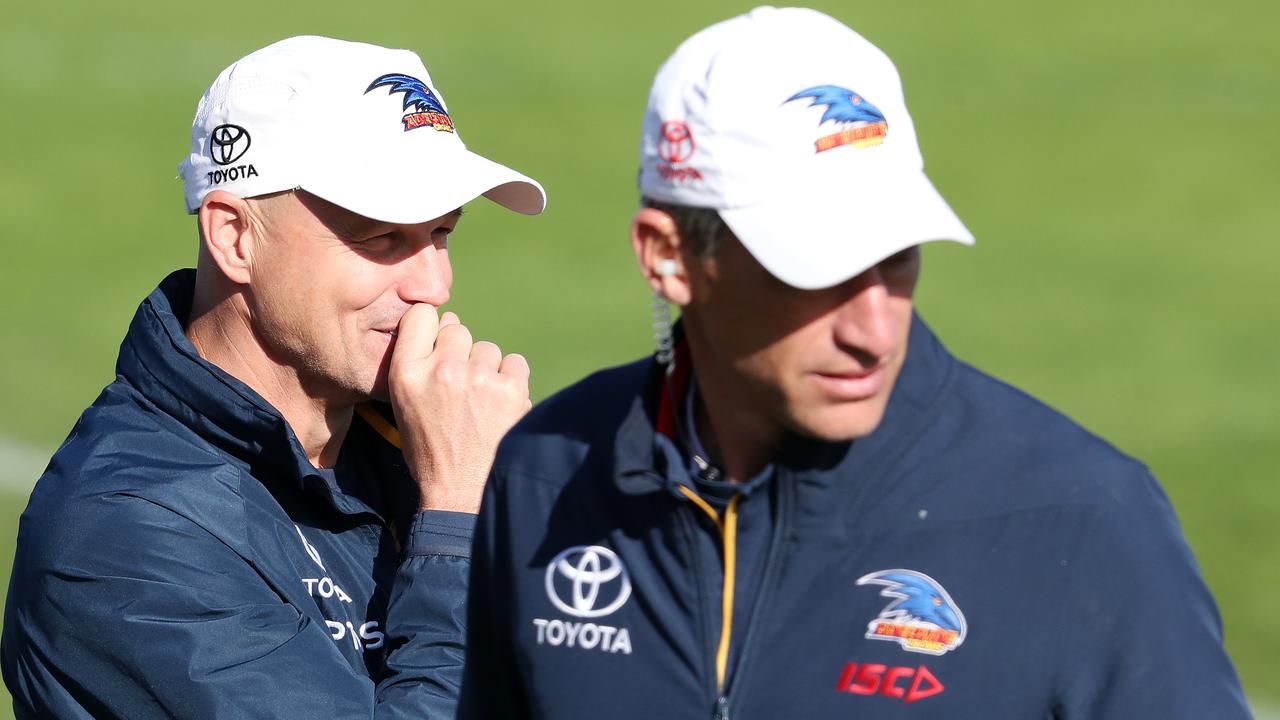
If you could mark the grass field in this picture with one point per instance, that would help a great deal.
(1117, 161)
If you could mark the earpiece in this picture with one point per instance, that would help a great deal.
(667, 266)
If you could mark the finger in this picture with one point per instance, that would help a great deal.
(486, 355)
(515, 366)
(453, 343)
(449, 318)
(416, 334)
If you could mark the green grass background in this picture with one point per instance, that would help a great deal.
(1117, 160)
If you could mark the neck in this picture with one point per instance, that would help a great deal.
(739, 442)
(222, 334)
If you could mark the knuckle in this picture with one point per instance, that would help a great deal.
(480, 380)
(448, 372)
(410, 374)
(502, 384)
(516, 391)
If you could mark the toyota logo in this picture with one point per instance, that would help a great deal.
(676, 144)
(227, 143)
(592, 580)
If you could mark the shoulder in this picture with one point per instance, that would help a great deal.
(123, 466)
(983, 451)
(992, 447)
(1134, 617)
(1021, 452)
(556, 470)
(123, 443)
(590, 407)
(585, 415)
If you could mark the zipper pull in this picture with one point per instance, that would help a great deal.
(722, 709)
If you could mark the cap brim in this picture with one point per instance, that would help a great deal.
(822, 233)
(405, 192)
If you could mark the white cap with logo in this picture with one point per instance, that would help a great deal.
(358, 125)
(795, 129)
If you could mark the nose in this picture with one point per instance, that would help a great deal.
(426, 275)
(865, 323)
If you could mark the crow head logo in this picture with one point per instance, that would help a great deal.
(921, 616)
(421, 105)
(843, 104)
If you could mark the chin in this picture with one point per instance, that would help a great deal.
(839, 424)
(364, 386)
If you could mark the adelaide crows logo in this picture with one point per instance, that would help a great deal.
(921, 618)
(427, 110)
(865, 124)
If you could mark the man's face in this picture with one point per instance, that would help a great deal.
(329, 287)
(820, 363)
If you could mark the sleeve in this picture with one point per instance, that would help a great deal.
(491, 683)
(426, 619)
(135, 611)
(1143, 638)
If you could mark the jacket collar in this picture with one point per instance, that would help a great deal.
(158, 360)
(642, 464)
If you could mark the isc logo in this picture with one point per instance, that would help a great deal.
(904, 683)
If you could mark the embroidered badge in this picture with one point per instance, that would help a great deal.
(921, 616)
(862, 124)
(675, 147)
(423, 108)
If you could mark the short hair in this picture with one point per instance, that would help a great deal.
(701, 228)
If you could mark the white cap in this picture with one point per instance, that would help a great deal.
(359, 125)
(794, 128)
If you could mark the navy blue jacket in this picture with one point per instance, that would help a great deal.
(181, 557)
(977, 556)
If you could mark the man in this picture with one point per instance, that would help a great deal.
(231, 530)
(815, 511)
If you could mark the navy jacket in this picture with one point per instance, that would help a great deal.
(181, 557)
(977, 556)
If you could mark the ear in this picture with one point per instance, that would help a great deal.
(656, 242)
(228, 234)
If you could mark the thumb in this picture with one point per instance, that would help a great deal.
(416, 335)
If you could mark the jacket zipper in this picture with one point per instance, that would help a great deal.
(728, 527)
(728, 537)
(768, 579)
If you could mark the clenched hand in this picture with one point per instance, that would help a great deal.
(454, 399)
